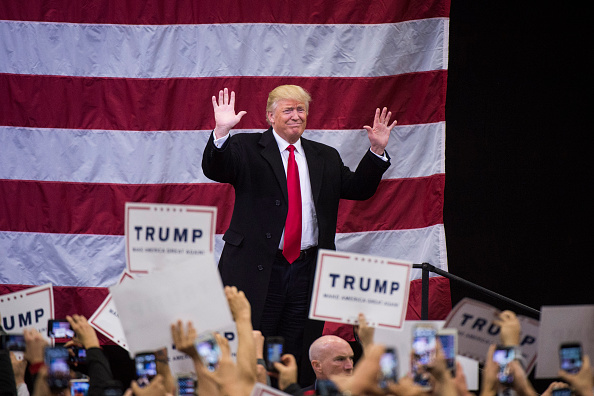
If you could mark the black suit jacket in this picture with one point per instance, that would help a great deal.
(252, 163)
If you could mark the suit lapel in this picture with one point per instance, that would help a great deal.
(315, 164)
(272, 156)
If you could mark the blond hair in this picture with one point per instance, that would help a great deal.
(294, 92)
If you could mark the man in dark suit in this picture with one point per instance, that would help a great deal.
(265, 254)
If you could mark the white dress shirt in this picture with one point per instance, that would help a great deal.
(309, 221)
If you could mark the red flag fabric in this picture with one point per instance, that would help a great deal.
(105, 102)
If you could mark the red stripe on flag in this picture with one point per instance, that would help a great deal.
(88, 208)
(221, 11)
(185, 103)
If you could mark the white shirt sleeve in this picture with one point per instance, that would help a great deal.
(220, 141)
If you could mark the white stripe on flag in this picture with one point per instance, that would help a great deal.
(98, 260)
(249, 49)
(93, 156)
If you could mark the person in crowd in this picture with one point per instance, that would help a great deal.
(8, 385)
(19, 366)
(287, 190)
(330, 355)
(98, 367)
(582, 382)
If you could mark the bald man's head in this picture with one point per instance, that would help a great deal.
(331, 355)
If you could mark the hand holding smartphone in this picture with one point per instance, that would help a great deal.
(58, 370)
(449, 344)
(146, 368)
(423, 346)
(570, 357)
(504, 356)
(388, 367)
(274, 347)
(59, 328)
(209, 351)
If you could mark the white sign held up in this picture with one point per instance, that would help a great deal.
(27, 308)
(106, 319)
(347, 284)
(148, 305)
(474, 321)
(159, 235)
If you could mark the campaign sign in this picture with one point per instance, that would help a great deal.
(106, 319)
(401, 341)
(27, 308)
(347, 284)
(148, 305)
(474, 321)
(159, 235)
(559, 325)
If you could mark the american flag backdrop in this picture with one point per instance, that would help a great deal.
(104, 102)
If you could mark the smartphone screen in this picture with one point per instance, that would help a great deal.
(562, 392)
(388, 367)
(58, 371)
(79, 387)
(274, 351)
(146, 368)
(13, 342)
(449, 344)
(209, 351)
(59, 329)
(570, 357)
(423, 346)
(503, 356)
(186, 385)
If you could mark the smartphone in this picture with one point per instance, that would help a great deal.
(79, 387)
(423, 347)
(186, 385)
(209, 350)
(449, 343)
(562, 392)
(13, 342)
(58, 371)
(388, 367)
(274, 347)
(59, 328)
(146, 368)
(570, 357)
(504, 356)
(78, 356)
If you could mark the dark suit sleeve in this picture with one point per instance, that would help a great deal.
(362, 184)
(7, 382)
(220, 164)
(99, 371)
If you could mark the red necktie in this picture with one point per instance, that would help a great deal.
(292, 246)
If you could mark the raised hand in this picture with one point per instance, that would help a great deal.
(224, 112)
(379, 134)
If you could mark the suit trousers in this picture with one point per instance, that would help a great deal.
(288, 299)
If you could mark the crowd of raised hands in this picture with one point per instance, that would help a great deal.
(238, 376)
